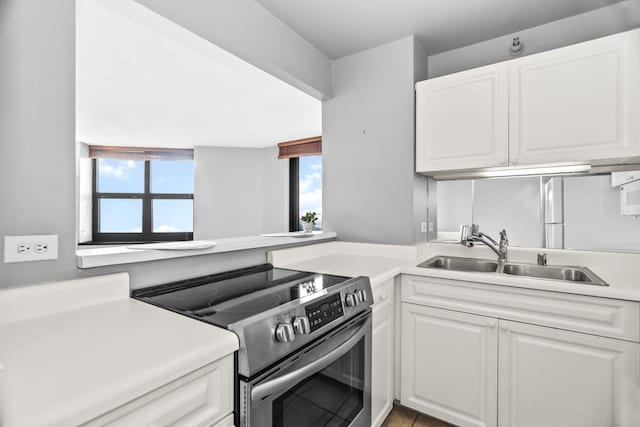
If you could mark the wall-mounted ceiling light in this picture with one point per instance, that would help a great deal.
(517, 47)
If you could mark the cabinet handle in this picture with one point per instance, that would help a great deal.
(493, 323)
(383, 297)
(504, 326)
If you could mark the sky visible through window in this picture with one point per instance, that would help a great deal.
(310, 187)
(127, 176)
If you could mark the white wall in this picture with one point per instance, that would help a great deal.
(512, 204)
(239, 192)
(368, 146)
(454, 201)
(590, 25)
(592, 216)
(249, 31)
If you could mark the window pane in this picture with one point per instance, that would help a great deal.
(310, 186)
(171, 176)
(120, 176)
(172, 216)
(120, 216)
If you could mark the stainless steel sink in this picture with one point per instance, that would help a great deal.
(460, 264)
(566, 273)
(554, 272)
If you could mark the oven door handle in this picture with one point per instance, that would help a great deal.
(285, 381)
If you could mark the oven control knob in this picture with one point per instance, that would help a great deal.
(351, 300)
(301, 325)
(362, 294)
(284, 333)
(357, 297)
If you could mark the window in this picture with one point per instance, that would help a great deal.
(305, 178)
(144, 198)
(310, 187)
(305, 192)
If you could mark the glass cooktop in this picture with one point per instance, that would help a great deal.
(226, 298)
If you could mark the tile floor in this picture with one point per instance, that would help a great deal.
(405, 417)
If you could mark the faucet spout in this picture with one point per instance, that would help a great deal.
(471, 234)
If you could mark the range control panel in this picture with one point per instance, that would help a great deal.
(324, 311)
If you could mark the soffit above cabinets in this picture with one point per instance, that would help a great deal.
(142, 80)
(339, 28)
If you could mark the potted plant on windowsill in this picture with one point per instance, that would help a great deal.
(309, 221)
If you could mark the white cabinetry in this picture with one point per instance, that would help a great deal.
(550, 377)
(383, 350)
(577, 103)
(462, 120)
(449, 365)
(476, 370)
(201, 398)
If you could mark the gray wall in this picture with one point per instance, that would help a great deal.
(37, 150)
(37, 131)
(249, 31)
(590, 25)
(239, 192)
(369, 184)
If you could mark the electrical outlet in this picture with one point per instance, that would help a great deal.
(423, 227)
(23, 248)
(30, 248)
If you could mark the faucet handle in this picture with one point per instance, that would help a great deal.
(465, 233)
(542, 258)
(503, 238)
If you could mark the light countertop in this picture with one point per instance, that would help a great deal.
(382, 262)
(65, 367)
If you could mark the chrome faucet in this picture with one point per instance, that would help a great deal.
(470, 234)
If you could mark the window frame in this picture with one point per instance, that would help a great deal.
(294, 194)
(147, 235)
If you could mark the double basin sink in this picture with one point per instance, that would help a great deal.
(571, 274)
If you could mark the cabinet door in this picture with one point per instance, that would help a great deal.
(382, 378)
(449, 365)
(462, 120)
(576, 103)
(550, 377)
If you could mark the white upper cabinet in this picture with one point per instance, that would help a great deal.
(578, 103)
(462, 120)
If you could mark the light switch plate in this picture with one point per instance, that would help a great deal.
(30, 248)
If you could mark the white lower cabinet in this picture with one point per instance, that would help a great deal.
(449, 365)
(551, 377)
(473, 370)
(383, 352)
(382, 375)
(202, 398)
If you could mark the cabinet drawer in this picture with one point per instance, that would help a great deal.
(592, 315)
(200, 398)
(383, 294)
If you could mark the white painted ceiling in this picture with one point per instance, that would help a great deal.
(343, 27)
(145, 81)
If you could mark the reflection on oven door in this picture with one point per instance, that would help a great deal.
(336, 394)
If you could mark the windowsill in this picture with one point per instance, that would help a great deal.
(92, 256)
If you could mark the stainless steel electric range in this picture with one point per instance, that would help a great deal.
(305, 341)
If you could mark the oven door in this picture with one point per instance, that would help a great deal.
(327, 383)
